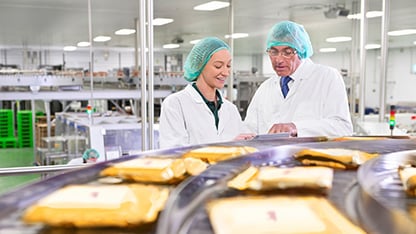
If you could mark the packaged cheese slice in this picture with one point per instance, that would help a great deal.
(213, 154)
(277, 214)
(334, 157)
(407, 175)
(99, 206)
(156, 169)
(275, 178)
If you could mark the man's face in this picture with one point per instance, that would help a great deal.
(284, 60)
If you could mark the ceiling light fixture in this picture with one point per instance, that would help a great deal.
(125, 31)
(327, 50)
(70, 48)
(211, 6)
(414, 43)
(102, 38)
(83, 44)
(372, 46)
(170, 46)
(195, 41)
(237, 35)
(161, 21)
(369, 14)
(338, 39)
(403, 32)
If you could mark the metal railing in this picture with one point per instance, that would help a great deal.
(37, 169)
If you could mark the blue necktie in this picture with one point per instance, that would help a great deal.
(285, 87)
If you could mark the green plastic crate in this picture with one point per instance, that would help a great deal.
(6, 123)
(24, 129)
(9, 142)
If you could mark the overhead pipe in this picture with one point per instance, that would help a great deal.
(384, 53)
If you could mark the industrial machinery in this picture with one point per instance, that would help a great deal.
(371, 197)
(112, 134)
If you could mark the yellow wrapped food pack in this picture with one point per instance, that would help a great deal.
(152, 169)
(99, 206)
(275, 178)
(334, 157)
(407, 175)
(277, 214)
(213, 154)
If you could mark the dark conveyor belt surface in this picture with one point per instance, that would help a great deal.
(184, 212)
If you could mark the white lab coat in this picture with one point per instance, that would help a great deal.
(317, 103)
(185, 119)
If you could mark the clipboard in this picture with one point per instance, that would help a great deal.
(271, 136)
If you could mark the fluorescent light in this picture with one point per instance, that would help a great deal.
(211, 6)
(327, 50)
(372, 46)
(83, 44)
(125, 31)
(237, 35)
(369, 14)
(374, 14)
(170, 46)
(338, 39)
(70, 48)
(195, 41)
(402, 32)
(102, 38)
(414, 43)
(161, 21)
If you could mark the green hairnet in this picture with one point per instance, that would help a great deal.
(288, 33)
(200, 55)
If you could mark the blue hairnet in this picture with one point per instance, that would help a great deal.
(288, 33)
(91, 153)
(200, 55)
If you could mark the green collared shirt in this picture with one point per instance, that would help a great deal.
(211, 105)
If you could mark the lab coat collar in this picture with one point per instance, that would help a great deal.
(302, 72)
(198, 99)
(194, 94)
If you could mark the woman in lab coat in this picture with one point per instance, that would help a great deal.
(199, 113)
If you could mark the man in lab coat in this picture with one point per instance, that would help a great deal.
(303, 98)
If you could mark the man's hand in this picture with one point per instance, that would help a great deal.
(284, 127)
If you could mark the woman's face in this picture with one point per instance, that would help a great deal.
(217, 70)
(284, 60)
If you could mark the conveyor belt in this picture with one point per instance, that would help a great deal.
(184, 211)
(383, 196)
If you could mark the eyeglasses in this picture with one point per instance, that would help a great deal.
(285, 53)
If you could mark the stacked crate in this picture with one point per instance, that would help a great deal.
(41, 131)
(24, 129)
(7, 139)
